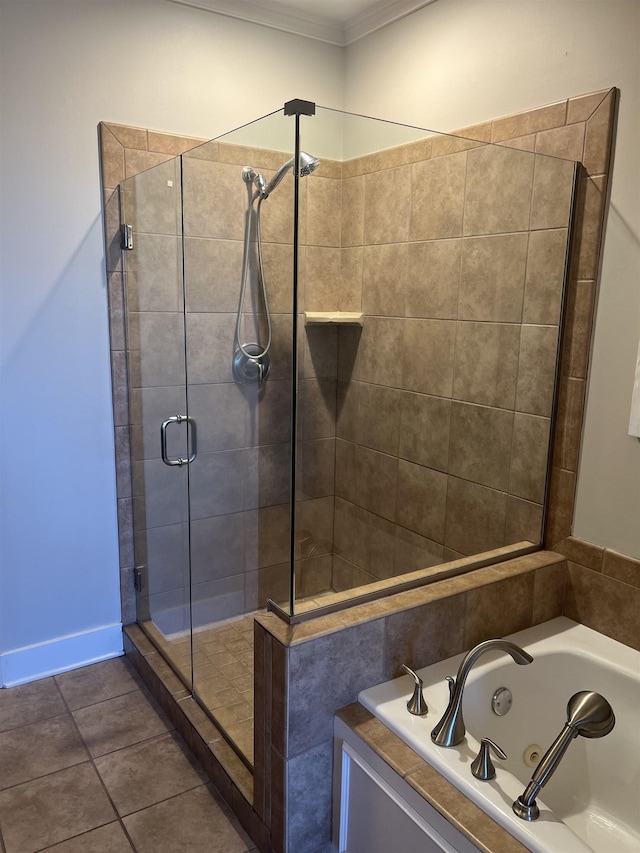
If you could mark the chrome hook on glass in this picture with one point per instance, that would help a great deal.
(178, 419)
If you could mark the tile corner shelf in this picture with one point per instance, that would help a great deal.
(325, 318)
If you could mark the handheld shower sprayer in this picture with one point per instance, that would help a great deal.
(588, 715)
(251, 362)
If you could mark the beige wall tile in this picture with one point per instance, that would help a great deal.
(433, 279)
(622, 568)
(599, 128)
(318, 403)
(111, 158)
(443, 144)
(552, 192)
(387, 199)
(424, 635)
(521, 143)
(569, 423)
(167, 143)
(209, 341)
(324, 205)
(580, 108)
(377, 476)
(129, 137)
(271, 419)
(384, 279)
(498, 190)
(492, 278)
(151, 202)
(365, 539)
(566, 142)
(215, 199)
(530, 121)
(213, 270)
(380, 343)
(577, 337)
(316, 516)
(545, 277)
(529, 457)
(316, 468)
(111, 212)
(378, 422)
(413, 552)
(136, 161)
(524, 521)
(560, 511)
(351, 279)
(352, 221)
(421, 500)
(346, 471)
(604, 604)
(498, 609)
(427, 356)
(588, 227)
(548, 592)
(480, 444)
(437, 197)
(424, 430)
(154, 273)
(584, 553)
(323, 285)
(480, 132)
(486, 363)
(347, 410)
(536, 369)
(475, 517)
(320, 352)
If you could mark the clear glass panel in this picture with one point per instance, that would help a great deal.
(156, 364)
(240, 484)
(426, 429)
(414, 420)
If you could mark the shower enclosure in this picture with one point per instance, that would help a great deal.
(342, 339)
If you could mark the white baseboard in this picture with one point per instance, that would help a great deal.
(30, 663)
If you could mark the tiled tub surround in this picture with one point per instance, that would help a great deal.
(304, 673)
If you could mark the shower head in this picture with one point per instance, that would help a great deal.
(307, 165)
(590, 715)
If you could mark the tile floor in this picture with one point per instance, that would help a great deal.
(89, 763)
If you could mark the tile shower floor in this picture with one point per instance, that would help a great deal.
(222, 673)
(90, 764)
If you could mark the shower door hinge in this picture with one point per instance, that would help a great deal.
(138, 578)
(127, 237)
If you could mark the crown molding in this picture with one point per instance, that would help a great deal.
(280, 16)
(379, 16)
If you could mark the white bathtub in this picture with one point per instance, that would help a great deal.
(592, 802)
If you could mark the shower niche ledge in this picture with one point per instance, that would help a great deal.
(326, 318)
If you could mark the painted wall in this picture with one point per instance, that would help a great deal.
(458, 62)
(66, 66)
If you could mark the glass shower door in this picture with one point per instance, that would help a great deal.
(162, 439)
(240, 483)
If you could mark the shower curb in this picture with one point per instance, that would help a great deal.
(226, 771)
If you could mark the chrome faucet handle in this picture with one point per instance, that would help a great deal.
(482, 766)
(416, 705)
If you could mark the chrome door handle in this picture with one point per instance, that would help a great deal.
(178, 419)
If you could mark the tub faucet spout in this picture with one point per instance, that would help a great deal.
(450, 730)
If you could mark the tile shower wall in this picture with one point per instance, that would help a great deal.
(456, 257)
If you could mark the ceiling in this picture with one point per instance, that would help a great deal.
(335, 21)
